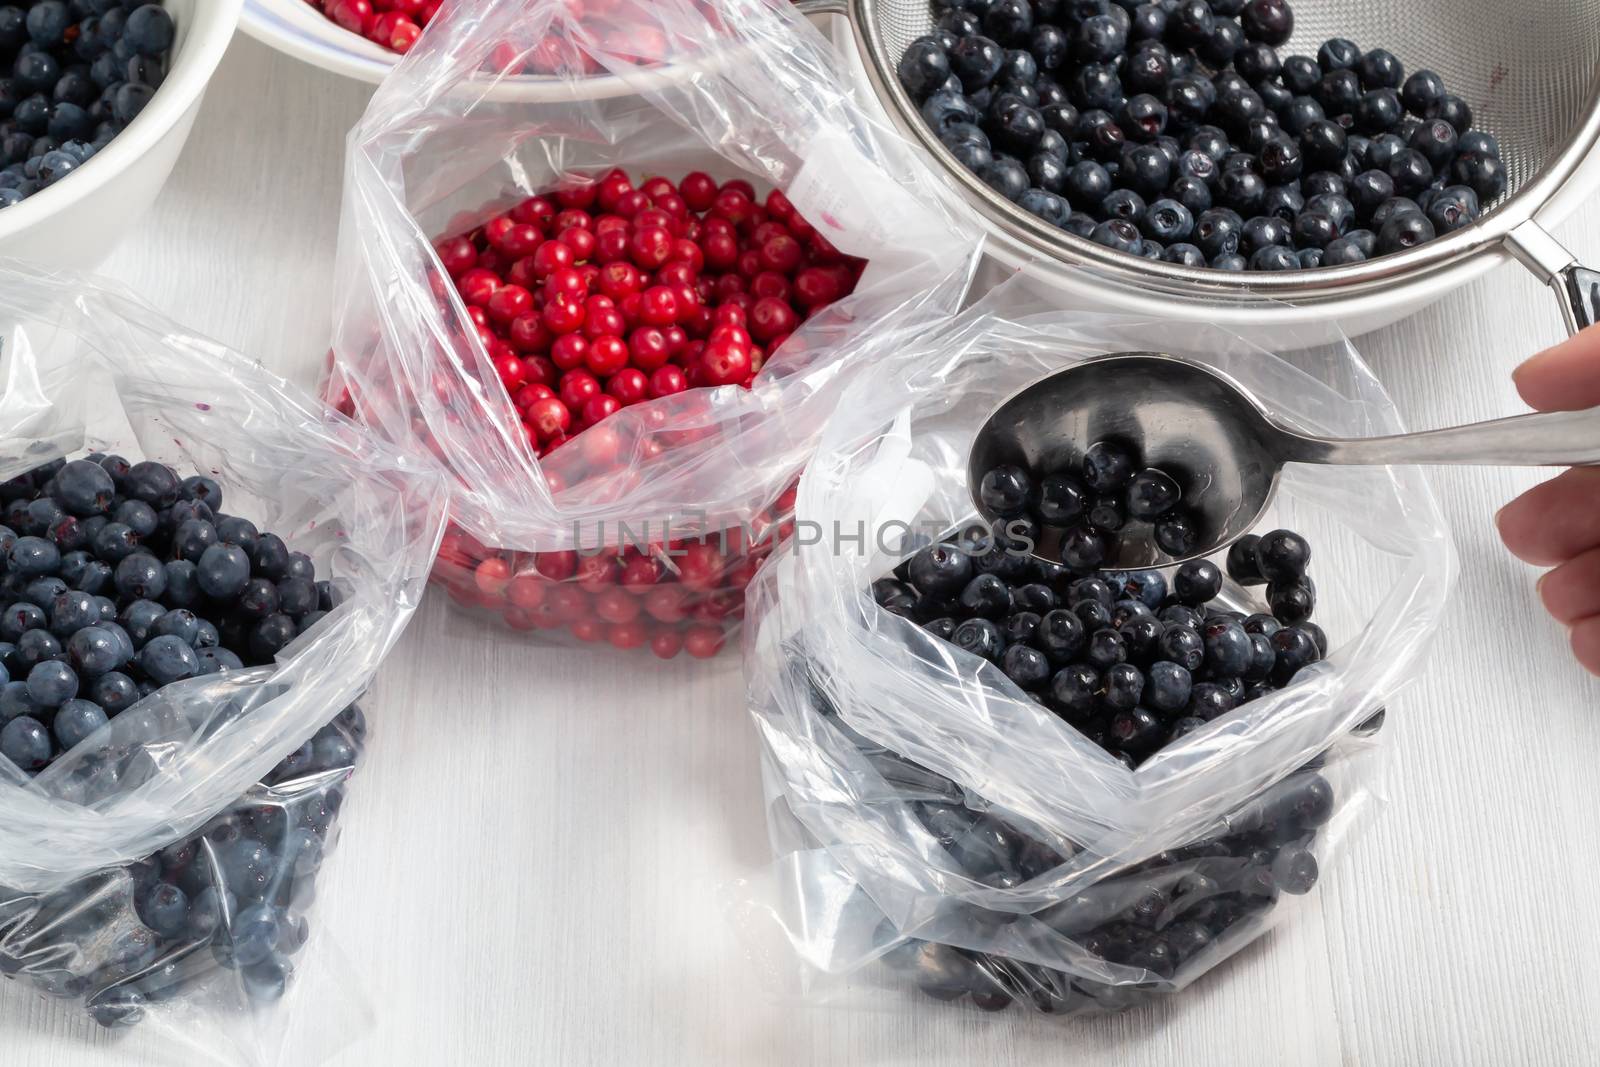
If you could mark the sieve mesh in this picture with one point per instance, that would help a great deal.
(1527, 68)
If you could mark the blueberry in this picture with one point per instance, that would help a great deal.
(1280, 556)
(940, 570)
(223, 570)
(140, 576)
(114, 542)
(1084, 549)
(1026, 666)
(75, 721)
(1209, 701)
(1454, 208)
(1176, 534)
(1294, 870)
(1107, 514)
(1122, 687)
(1228, 648)
(1183, 646)
(1168, 687)
(114, 691)
(1006, 490)
(1292, 602)
(1136, 730)
(93, 651)
(1075, 691)
(1060, 634)
(985, 596)
(1264, 232)
(1197, 583)
(981, 637)
(1217, 232)
(1294, 650)
(33, 556)
(52, 683)
(1105, 648)
(25, 742)
(924, 67)
(167, 659)
(214, 660)
(84, 488)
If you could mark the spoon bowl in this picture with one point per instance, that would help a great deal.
(1193, 422)
(1210, 433)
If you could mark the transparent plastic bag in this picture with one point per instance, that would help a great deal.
(91, 369)
(936, 827)
(737, 89)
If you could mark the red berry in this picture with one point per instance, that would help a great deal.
(627, 635)
(566, 280)
(816, 286)
(536, 211)
(556, 566)
(569, 351)
(650, 246)
(562, 314)
(656, 187)
(615, 605)
(677, 272)
(700, 566)
(511, 371)
(612, 188)
(720, 250)
(354, 15)
(611, 246)
(577, 194)
(478, 285)
(457, 255)
(630, 204)
(772, 318)
(597, 573)
(548, 418)
(779, 207)
(667, 603)
(550, 257)
(666, 643)
(698, 190)
(529, 393)
(571, 219)
(629, 385)
(577, 388)
(492, 575)
(589, 630)
(648, 347)
(725, 363)
(668, 380)
(509, 302)
(703, 642)
(607, 355)
(619, 279)
(599, 408)
(659, 306)
(526, 591)
(769, 283)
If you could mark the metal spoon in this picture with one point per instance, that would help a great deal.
(1195, 422)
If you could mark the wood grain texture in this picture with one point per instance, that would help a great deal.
(537, 853)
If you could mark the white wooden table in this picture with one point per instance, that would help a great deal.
(536, 855)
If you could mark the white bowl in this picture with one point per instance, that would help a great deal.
(296, 28)
(77, 221)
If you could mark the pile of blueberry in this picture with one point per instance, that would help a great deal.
(79, 72)
(1174, 130)
(121, 578)
(1078, 511)
(1131, 662)
(1160, 923)
(228, 902)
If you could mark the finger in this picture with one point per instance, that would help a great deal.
(1572, 591)
(1553, 522)
(1563, 378)
(1586, 643)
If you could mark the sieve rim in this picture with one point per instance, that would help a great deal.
(1040, 239)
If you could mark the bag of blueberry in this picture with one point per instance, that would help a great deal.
(1012, 780)
(617, 309)
(201, 569)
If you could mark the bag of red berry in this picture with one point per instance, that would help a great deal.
(620, 322)
(201, 569)
(997, 774)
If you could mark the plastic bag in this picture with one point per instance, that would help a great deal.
(936, 827)
(89, 368)
(739, 88)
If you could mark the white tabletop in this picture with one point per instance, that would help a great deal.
(539, 850)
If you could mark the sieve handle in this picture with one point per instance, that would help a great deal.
(1576, 286)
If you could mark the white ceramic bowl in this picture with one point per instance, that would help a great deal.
(77, 221)
(296, 28)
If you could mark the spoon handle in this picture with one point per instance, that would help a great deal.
(1547, 439)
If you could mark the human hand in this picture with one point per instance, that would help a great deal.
(1557, 524)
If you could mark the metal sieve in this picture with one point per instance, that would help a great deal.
(1528, 70)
